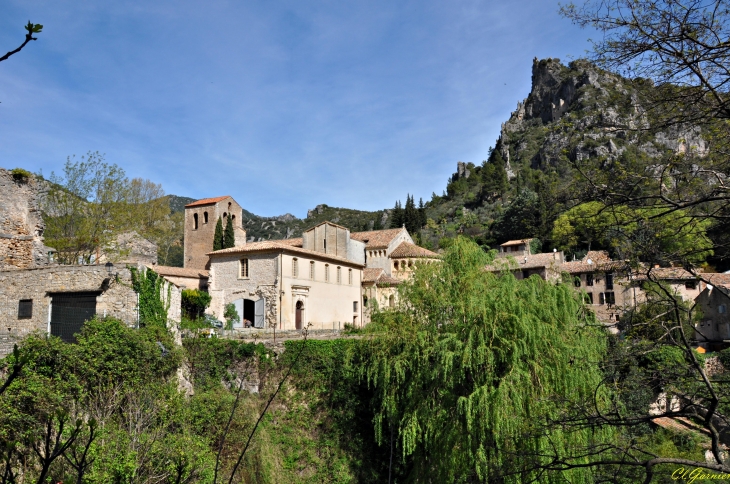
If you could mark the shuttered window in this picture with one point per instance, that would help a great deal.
(25, 309)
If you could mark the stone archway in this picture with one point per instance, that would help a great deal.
(299, 315)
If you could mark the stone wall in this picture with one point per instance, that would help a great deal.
(21, 225)
(116, 297)
(225, 284)
(199, 241)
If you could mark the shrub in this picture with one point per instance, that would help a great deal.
(195, 302)
(20, 174)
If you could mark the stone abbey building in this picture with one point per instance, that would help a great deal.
(325, 279)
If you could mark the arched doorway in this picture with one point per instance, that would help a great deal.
(299, 315)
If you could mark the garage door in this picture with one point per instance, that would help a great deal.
(69, 311)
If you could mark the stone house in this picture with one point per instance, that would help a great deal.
(606, 284)
(547, 265)
(201, 217)
(713, 303)
(277, 284)
(515, 248)
(184, 278)
(57, 300)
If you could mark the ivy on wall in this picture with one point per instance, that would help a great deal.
(152, 308)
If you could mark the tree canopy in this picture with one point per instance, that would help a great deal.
(471, 365)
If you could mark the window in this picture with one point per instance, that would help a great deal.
(195, 221)
(609, 281)
(25, 309)
(690, 284)
(391, 301)
(349, 277)
(311, 270)
(589, 298)
(324, 245)
(395, 264)
(601, 298)
(205, 217)
(326, 273)
(244, 268)
(576, 281)
(295, 267)
(365, 301)
(354, 306)
(589, 279)
(339, 275)
(721, 309)
(610, 298)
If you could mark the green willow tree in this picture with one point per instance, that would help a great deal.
(472, 365)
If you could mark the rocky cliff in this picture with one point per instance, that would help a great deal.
(21, 224)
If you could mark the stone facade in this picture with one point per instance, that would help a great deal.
(200, 221)
(226, 285)
(115, 297)
(21, 225)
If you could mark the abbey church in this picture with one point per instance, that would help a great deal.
(325, 279)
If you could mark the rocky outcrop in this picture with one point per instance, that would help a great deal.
(579, 111)
(21, 224)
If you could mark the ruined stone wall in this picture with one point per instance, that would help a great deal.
(21, 225)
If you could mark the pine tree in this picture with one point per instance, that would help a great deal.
(397, 216)
(378, 225)
(229, 237)
(218, 236)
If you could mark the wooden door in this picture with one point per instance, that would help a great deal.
(298, 315)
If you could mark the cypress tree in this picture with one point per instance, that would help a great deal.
(218, 236)
(421, 213)
(396, 217)
(410, 215)
(229, 237)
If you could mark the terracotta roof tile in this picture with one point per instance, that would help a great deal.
(293, 242)
(718, 279)
(376, 239)
(578, 267)
(515, 242)
(179, 271)
(666, 273)
(378, 276)
(406, 249)
(206, 201)
(267, 245)
(534, 261)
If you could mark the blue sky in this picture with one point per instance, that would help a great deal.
(282, 104)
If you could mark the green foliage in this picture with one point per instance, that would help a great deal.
(229, 237)
(620, 228)
(231, 315)
(211, 358)
(20, 174)
(93, 202)
(152, 307)
(195, 302)
(460, 366)
(218, 236)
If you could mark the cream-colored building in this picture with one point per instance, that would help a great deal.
(314, 281)
(279, 284)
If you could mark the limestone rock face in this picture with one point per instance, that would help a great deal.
(21, 224)
(577, 112)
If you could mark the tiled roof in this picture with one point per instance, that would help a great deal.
(206, 201)
(515, 242)
(667, 273)
(534, 261)
(376, 239)
(578, 267)
(406, 249)
(179, 271)
(268, 245)
(378, 276)
(293, 242)
(718, 279)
